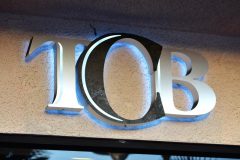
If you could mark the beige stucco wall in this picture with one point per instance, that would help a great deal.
(26, 87)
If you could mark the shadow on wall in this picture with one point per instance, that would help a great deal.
(90, 29)
(216, 16)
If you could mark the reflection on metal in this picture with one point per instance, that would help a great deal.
(90, 69)
(90, 80)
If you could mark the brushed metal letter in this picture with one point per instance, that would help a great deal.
(203, 96)
(65, 98)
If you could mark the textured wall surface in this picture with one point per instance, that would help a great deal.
(26, 88)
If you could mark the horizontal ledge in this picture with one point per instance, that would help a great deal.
(117, 145)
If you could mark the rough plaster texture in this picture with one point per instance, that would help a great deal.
(26, 87)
